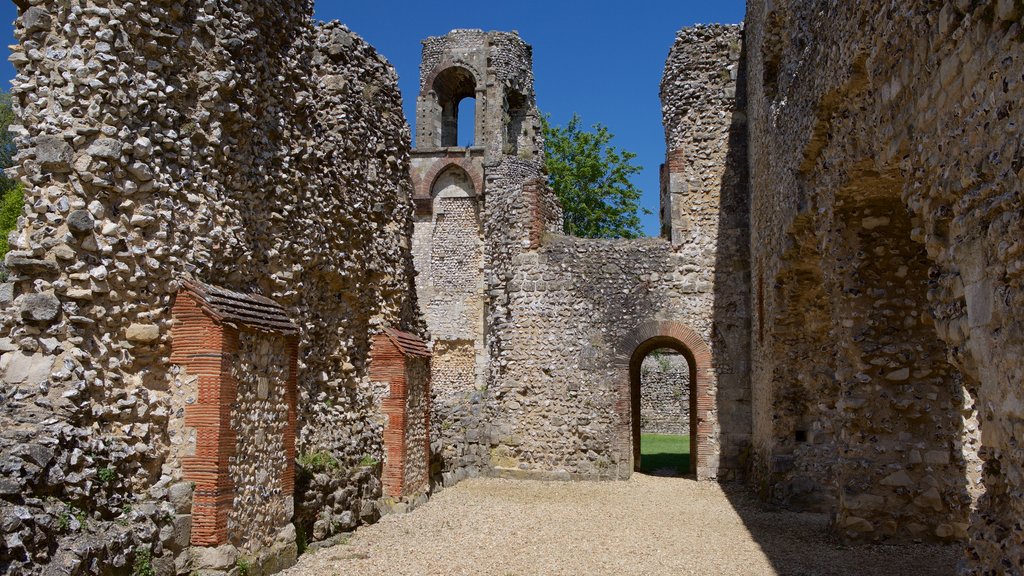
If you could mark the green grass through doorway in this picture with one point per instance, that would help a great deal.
(661, 452)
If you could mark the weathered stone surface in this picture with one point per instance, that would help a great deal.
(140, 169)
(855, 297)
(80, 222)
(19, 367)
(218, 558)
(559, 309)
(665, 393)
(142, 333)
(35, 19)
(53, 152)
(884, 168)
(39, 307)
(31, 266)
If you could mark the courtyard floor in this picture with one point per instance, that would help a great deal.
(646, 526)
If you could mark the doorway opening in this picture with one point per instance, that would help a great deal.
(663, 374)
(665, 413)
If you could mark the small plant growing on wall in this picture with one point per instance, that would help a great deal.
(143, 565)
(106, 475)
(319, 461)
(368, 461)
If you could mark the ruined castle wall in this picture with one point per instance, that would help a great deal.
(563, 309)
(665, 394)
(558, 389)
(860, 113)
(138, 154)
(465, 240)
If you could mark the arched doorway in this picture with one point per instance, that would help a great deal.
(679, 337)
(663, 412)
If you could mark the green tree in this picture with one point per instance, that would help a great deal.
(11, 194)
(592, 179)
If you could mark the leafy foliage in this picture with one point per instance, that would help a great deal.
(143, 565)
(11, 194)
(7, 149)
(318, 461)
(11, 203)
(106, 475)
(592, 179)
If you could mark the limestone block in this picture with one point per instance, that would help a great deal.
(19, 367)
(219, 558)
(979, 303)
(143, 333)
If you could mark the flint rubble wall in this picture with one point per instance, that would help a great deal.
(240, 144)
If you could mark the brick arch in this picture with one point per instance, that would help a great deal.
(447, 64)
(630, 353)
(425, 185)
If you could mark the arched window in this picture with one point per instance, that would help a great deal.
(515, 119)
(451, 87)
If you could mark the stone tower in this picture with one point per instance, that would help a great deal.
(450, 179)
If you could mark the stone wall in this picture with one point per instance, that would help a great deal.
(558, 393)
(560, 396)
(472, 215)
(665, 394)
(885, 170)
(137, 152)
(262, 505)
(417, 427)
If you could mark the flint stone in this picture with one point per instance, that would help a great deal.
(39, 454)
(80, 222)
(10, 487)
(164, 566)
(6, 293)
(335, 82)
(40, 307)
(340, 44)
(53, 153)
(35, 19)
(106, 148)
(899, 478)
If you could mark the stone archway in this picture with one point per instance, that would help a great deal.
(644, 339)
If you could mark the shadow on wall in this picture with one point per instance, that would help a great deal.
(886, 440)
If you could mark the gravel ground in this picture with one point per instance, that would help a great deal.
(647, 526)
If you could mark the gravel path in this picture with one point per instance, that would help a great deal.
(646, 526)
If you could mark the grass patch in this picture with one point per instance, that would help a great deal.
(661, 451)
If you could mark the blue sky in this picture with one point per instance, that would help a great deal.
(598, 58)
